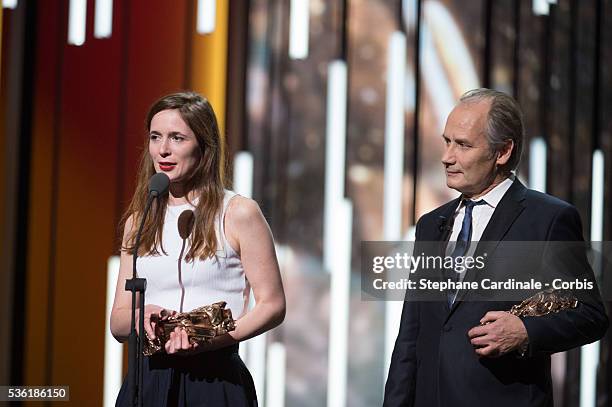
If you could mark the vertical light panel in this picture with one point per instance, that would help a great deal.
(339, 304)
(394, 137)
(77, 18)
(275, 381)
(243, 174)
(206, 16)
(455, 55)
(335, 154)
(597, 197)
(113, 350)
(12, 4)
(299, 17)
(1, 31)
(394, 171)
(209, 53)
(103, 19)
(255, 359)
(589, 354)
(393, 316)
(252, 351)
(540, 7)
(537, 164)
(437, 81)
(243, 185)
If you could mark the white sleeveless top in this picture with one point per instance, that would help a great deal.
(172, 282)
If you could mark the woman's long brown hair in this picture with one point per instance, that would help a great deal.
(205, 179)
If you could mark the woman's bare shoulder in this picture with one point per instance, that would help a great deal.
(242, 209)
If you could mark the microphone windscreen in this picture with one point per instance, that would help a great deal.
(443, 223)
(185, 223)
(159, 184)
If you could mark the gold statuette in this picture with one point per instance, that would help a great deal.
(544, 303)
(201, 324)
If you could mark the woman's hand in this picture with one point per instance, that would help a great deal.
(179, 343)
(152, 314)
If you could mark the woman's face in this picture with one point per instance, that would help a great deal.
(172, 145)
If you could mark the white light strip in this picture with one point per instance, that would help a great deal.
(243, 351)
(597, 197)
(243, 174)
(339, 305)
(335, 145)
(77, 18)
(435, 79)
(410, 234)
(537, 164)
(541, 7)
(589, 354)
(393, 316)
(589, 359)
(253, 353)
(451, 46)
(299, 17)
(243, 185)
(103, 19)
(207, 14)
(256, 359)
(12, 4)
(409, 13)
(394, 173)
(275, 382)
(113, 350)
(394, 137)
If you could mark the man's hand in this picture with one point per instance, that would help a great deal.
(499, 333)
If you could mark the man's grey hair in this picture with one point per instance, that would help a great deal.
(504, 122)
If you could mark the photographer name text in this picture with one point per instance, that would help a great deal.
(484, 284)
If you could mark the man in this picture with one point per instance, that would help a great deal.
(472, 353)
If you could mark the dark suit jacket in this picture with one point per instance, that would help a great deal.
(434, 363)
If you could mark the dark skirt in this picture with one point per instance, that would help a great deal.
(210, 379)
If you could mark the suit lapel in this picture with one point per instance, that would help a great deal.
(439, 229)
(506, 212)
(443, 234)
(446, 219)
(508, 209)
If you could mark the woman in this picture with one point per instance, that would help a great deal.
(228, 251)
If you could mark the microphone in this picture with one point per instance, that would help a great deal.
(443, 224)
(158, 184)
(185, 223)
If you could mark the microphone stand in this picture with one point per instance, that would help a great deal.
(135, 341)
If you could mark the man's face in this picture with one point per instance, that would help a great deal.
(470, 165)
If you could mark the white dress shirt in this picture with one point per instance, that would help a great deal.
(481, 215)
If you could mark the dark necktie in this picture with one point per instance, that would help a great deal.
(463, 244)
